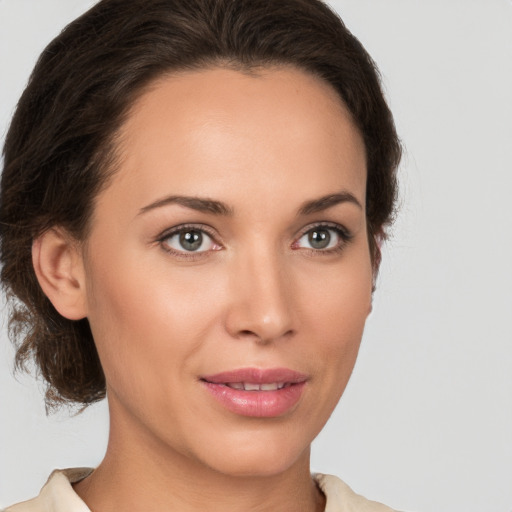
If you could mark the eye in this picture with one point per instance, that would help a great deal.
(322, 238)
(189, 239)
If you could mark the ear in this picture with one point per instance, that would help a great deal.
(376, 248)
(59, 268)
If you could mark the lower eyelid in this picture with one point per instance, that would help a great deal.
(344, 238)
(175, 232)
(340, 232)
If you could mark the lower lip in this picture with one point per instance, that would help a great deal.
(257, 404)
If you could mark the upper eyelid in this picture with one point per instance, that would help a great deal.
(345, 238)
(184, 254)
(212, 233)
(327, 224)
(191, 226)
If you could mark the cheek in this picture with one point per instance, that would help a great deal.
(337, 301)
(336, 314)
(339, 336)
(144, 318)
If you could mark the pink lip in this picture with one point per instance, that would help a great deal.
(261, 404)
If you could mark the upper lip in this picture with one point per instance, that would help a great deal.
(257, 376)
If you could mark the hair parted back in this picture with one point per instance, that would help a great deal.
(60, 148)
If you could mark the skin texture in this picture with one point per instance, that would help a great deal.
(256, 295)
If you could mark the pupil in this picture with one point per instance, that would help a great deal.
(319, 238)
(191, 240)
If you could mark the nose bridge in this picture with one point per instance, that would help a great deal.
(262, 296)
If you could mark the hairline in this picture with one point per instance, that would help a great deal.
(110, 152)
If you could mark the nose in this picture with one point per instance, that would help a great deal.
(261, 307)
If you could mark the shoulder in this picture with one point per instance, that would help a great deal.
(341, 498)
(57, 495)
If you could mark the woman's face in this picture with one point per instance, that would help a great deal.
(228, 269)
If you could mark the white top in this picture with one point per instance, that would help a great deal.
(58, 495)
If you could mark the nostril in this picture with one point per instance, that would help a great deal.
(248, 333)
(263, 338)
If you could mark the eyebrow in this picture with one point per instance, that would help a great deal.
(218, 208)
(325, 202)
(194, 203)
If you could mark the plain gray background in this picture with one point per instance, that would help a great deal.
(426, 421)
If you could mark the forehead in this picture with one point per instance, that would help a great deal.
(215, 131)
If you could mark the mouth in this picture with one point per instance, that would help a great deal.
(252, 386)
(262, 393)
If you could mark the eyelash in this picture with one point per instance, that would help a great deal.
(344, 238)
(184, 228)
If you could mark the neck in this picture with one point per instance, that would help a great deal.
(139, 473)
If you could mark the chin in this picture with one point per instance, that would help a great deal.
(257, 456)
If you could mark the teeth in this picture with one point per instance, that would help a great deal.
(249, 386)
(236, 385)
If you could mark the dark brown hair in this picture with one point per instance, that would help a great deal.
(60, 148)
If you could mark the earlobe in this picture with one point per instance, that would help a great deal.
(58, 266)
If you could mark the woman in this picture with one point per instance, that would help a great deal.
(193, 198)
